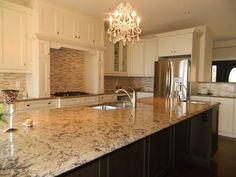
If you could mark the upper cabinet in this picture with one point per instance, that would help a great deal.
(15, 46)
(116, 59)
(175, 44)
(67, 26)
(134, 59)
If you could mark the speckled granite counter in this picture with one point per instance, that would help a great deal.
(65, 138)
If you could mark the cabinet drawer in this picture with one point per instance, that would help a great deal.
(70, 102)
(31, 105)
(200, 98)
(89, 100)
(107, 98)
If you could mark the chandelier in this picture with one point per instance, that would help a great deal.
(124, 24)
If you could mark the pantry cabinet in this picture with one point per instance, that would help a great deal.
(14, 48)
(150, 56)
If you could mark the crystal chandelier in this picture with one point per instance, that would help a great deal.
(124, 24)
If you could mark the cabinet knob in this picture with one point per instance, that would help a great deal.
(24, 64)
(93, 40)
(75, 36)
(58, 32)
(49, 102)
(28, 105)
(78, 37)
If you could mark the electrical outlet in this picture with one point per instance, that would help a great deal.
(18, 84)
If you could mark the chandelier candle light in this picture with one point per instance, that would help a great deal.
(124, 24)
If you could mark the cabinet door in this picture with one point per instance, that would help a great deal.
(137, 59)
(69, 27)
(13, 40)
(97, 33)
(183, 44)
(160, 153)
(44, 78)
(181, 140)
(83, 30)
(50, 21)
(128, 161)
(166, 46)
(150, 57)
(226, 115)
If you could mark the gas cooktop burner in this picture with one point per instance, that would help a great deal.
(70, 93)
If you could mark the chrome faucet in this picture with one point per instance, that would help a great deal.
(182, 97)
(134, 97)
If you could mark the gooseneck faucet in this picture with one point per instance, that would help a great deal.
(131, 99)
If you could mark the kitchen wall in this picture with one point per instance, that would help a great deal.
(217, 89)
(67, 70)
(8, 81)
(143, 83)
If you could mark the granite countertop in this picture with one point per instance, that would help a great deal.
(66, 138)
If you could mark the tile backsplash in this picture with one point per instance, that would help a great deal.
(67, 70)
(8, 81)
(216, 89)
(143, 83)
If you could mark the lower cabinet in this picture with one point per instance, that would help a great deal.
(194, 140)
(160, 153)
(181, 141)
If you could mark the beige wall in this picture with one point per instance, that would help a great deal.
(224, 50)
(67, 70)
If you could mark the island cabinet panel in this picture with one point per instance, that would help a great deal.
(203, 137)
(128, 161)
(160, 153)
(181, 141)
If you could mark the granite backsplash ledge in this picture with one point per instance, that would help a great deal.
(215, 88)
(111, 83)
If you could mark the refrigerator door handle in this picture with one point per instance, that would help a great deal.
(170, 79)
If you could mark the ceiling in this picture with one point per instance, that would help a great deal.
(167, 15)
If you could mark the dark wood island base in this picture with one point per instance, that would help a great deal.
(193, 140)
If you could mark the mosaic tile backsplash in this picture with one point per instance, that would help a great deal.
(111, 83)
(216, 89)
(8, 81)
(67, 70)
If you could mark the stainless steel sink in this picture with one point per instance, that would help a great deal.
(115, 105)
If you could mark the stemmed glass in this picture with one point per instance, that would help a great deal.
(9, 100)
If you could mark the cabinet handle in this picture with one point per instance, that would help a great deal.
(78, 37)
(49, 102)
(24, 64)
(175, 51)
(75, 36)
(58, 32)
(93, 40)
(28, 105)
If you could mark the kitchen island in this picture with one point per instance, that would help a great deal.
(83, 141)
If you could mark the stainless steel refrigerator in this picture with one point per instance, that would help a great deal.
(172, 78)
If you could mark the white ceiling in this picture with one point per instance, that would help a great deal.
(167, 15)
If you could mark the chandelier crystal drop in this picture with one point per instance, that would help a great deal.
(124, 24)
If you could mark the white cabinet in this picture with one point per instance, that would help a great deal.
(116, 58)
(150, 56)
(13, 38)
(63, 25)
(226, 115)
(94, 72)
(50, 21)
(136, 66)
(36, 105)
(175, 45)
(38, 82)
(44, 77)
(144, 94)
